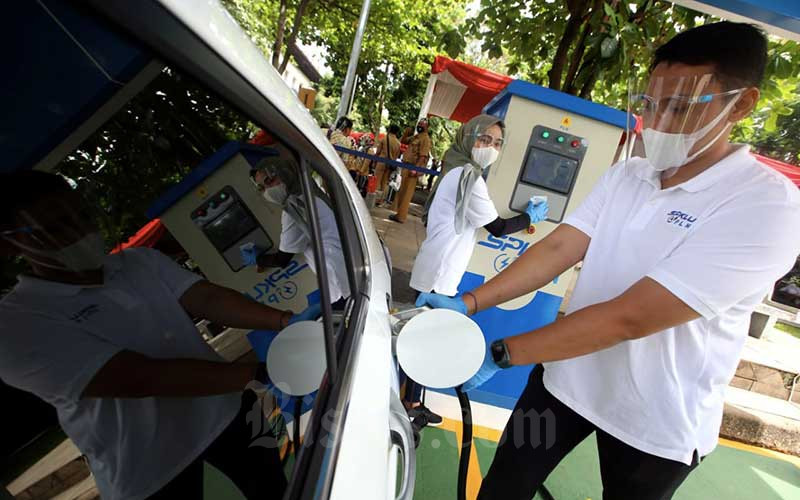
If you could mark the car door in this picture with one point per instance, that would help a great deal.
(358, 427)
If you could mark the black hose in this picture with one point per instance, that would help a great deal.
(466, 443)
(298, 410)
(466, 448)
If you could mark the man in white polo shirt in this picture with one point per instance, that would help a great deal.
(678, 248)
(109, 341)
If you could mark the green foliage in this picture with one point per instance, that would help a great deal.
(592, 48)
(401, 40)
(148, 146)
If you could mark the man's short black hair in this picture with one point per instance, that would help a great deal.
(21, 189)
(394, 129)
(738, 51)
(344, 123)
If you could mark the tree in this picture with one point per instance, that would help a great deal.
(266, 23)
(401, 40)
(592, 48)
(149, 145)
(577, 45)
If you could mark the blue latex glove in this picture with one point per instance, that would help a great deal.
(487, 371)
(438, 301)
(311, 313)
(537, 212)
(249, 252)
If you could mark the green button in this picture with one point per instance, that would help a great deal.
(545, 134)
(560, 138)
(222, 196)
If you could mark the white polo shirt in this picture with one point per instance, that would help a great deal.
(294, 240)
(444, 255)
(718, 242)
(54, 337)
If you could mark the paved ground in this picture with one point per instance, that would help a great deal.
(731, 471)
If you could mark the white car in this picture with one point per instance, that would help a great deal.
(358, 439)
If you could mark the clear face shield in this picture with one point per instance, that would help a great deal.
(59, 233)
(677, 118)
(485, 144)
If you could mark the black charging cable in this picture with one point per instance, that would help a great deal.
(466, 448)
(466, 442)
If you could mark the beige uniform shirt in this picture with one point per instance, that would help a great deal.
(418, 152)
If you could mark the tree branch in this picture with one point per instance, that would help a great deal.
(298, 21)
(279, 32)
(577, 9)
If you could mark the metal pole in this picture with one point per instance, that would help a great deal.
(348, 88)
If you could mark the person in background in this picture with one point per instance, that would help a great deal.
(109, 341)
(278, 179)
(678, 248)
(436, 165)
(417, 154)
(389, 148)
(408, 134)
(340, 136)
(460, 206)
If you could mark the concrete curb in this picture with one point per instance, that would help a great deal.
(761, 429)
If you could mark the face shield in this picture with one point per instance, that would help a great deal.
(276, 177)
(485, 143)
(60, 234)
(679, 118)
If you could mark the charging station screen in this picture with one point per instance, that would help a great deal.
(230, 227)
(549, 170)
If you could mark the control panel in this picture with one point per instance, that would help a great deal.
(227, 222)
(550, 167)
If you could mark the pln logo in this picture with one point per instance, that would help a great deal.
(509, 247)
(680, 219)
(502, 261)
(277, 286)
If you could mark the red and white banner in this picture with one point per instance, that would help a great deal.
(459, 91)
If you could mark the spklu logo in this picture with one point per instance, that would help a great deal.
(681, 219)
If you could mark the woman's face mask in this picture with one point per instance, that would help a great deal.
(484, 156)
(276, 194)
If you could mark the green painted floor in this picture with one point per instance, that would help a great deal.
(727, 473)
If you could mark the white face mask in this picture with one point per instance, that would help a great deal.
(484, 156)
(276, 194)
(667, 151)
(86, 254)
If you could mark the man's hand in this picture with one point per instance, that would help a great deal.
(438, 301)
(486, 372)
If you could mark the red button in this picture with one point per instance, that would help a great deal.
(575, 143)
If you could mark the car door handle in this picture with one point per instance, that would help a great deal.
(402, 436)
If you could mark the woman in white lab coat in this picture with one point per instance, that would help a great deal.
(460, 205)
(278, 178)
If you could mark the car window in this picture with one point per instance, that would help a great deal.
(176, 180)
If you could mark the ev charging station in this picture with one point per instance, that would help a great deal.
(558, 146)
(216, 209)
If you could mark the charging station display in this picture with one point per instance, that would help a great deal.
(228, 223)
(550, 167)
(549, 171)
